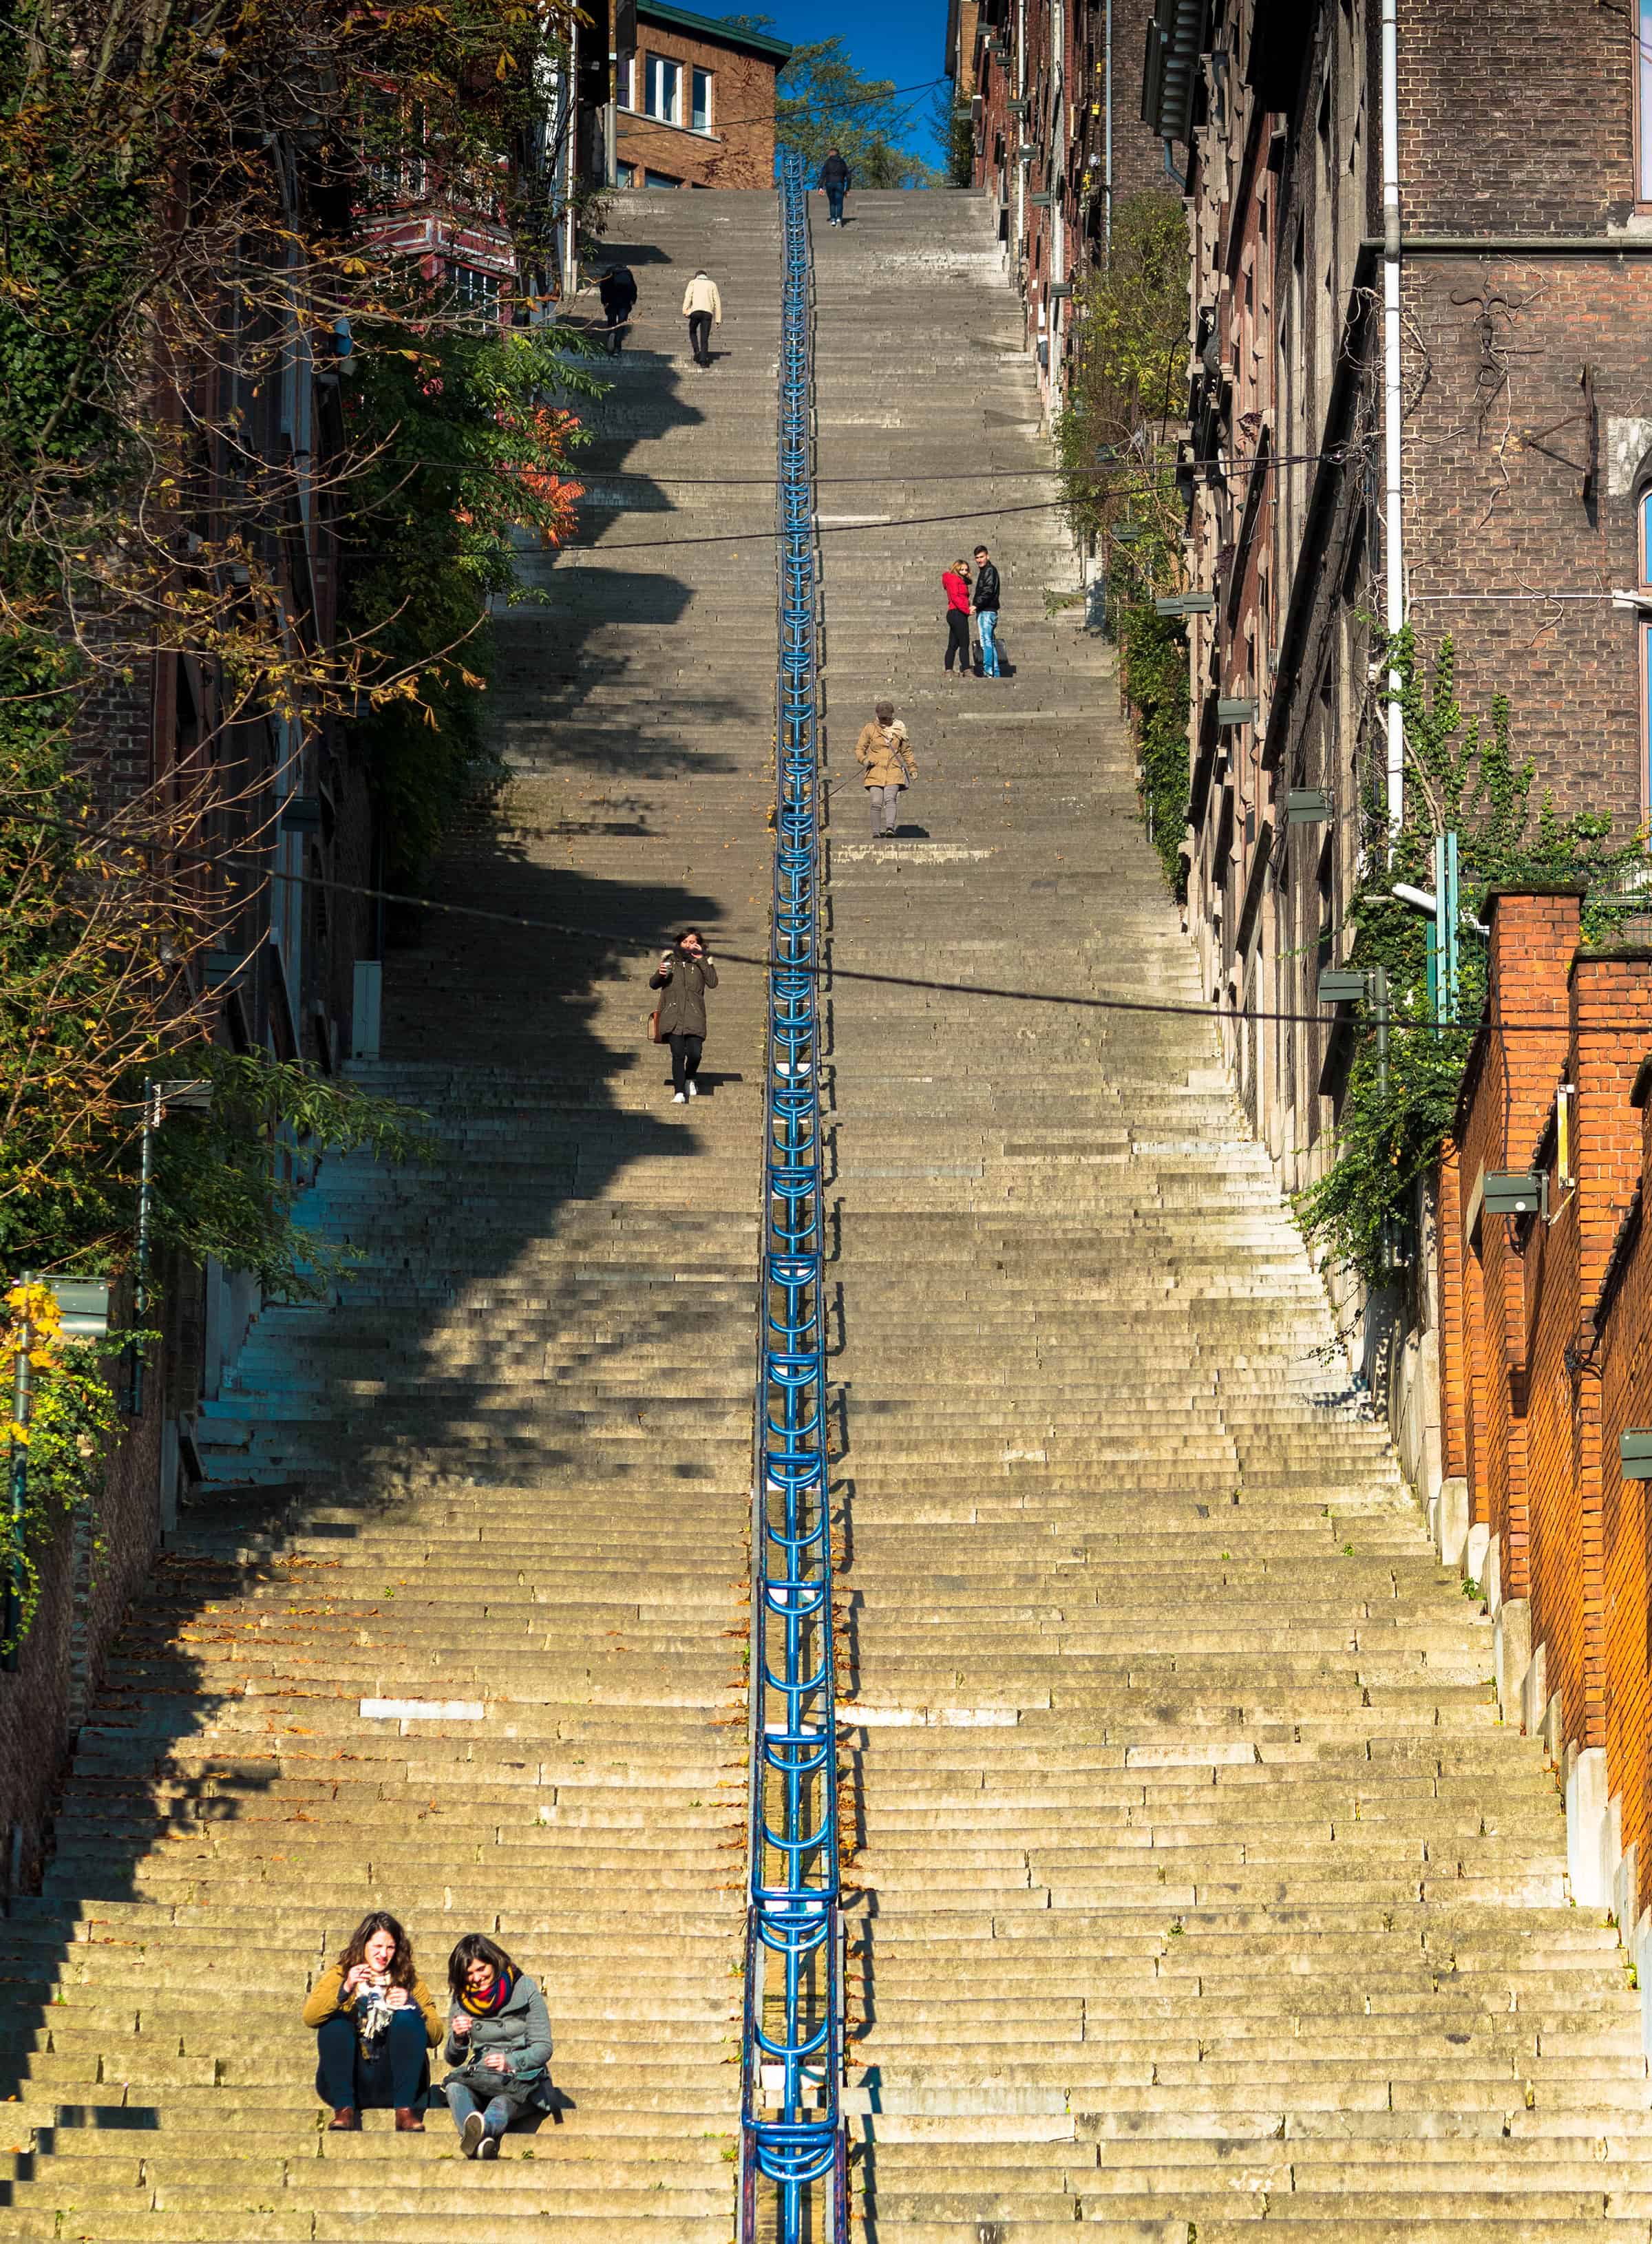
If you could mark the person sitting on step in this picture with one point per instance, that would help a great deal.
(376, 2023)
(499, 2038)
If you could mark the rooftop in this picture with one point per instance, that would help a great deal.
(714, 27)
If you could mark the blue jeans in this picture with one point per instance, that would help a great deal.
(987, 619)
(835, 190)
(462, 2101)
(396, 2077)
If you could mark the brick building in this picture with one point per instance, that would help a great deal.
(694, 103)
(1545, 1367)
(1058, 140)
(1490, 324)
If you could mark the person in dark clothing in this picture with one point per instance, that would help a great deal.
(685, 973)
(617, 289)
(835, 177)
(986, 612)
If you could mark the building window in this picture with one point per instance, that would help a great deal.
(625, 175)
(701, 87)
(476, 294)
(659, 179)
(662, 90)
(625, 80)
(1643, 104)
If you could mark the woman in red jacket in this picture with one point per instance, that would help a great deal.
(957, 583)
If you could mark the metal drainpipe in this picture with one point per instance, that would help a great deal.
(1106, 159)
(1394, 550)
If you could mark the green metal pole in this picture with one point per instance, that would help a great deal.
(1379, 1021)
(13, 1625)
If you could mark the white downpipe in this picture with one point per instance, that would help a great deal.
(1021, 133)
(1394, 542)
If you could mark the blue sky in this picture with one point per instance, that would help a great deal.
(899, 40)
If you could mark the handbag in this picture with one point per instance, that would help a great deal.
(654, 1036)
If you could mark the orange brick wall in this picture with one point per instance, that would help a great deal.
(739, 151)
(1624, 1342)
(1533, 936)
(1545, 1356)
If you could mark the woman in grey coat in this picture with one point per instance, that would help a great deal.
(499, 2038)
(685, 973)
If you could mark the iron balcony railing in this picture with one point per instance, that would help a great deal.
(791, 2119)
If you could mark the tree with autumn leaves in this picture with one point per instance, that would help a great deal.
(247, 430)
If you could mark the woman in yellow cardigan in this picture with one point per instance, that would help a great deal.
(376, 2023)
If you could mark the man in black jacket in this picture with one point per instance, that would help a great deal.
(617, 289)
(833, 180)
(986, 612)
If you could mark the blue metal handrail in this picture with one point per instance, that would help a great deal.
(792, 2053)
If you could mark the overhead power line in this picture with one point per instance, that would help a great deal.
(634, 939)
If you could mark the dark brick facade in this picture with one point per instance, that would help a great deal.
(1503, 434)
(1039, 124)
(1527, 436)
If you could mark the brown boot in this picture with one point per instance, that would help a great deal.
(408, 2121)
(347, 2121)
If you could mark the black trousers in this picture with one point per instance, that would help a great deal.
(396, 2077)
(958, 637)
(618, 317)
(685, 1059)
(700, 337)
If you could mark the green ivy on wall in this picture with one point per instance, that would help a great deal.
(1461, 776)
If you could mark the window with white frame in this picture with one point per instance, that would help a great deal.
(662, 90)
(476, 294)
(625, 78)
(699, 112)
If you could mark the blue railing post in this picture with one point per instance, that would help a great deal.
(791, 2115)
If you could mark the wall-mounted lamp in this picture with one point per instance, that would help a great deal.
(1635, 1452)
(1308, 806)
(1515, 1191)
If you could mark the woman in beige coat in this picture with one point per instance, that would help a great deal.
(884, 755)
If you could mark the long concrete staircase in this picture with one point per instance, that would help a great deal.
(498, 1491)
(1198, 1885)
(1194, 1885)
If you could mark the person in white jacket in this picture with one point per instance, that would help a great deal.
(702, 308)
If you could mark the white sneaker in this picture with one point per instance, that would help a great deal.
(693, 1088)
(677, 1098)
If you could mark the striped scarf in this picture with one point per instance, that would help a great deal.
(488, 2005)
